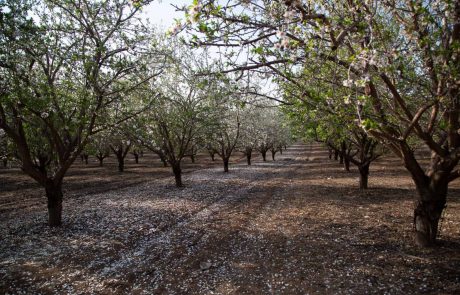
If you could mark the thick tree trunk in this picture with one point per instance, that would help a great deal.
(101, 162)
(429, 207)
(248, 158)
(336, 155)
(226, 160)
(213, 158)
(264, 156)
(54, 196)
(363, 176)
(177, 174)
(121, 163)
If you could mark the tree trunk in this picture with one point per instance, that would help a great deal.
(226, 160)
(101, 161)
(340, 158)
(121, 163)
(177, 174)
(336, 155)
(86, 158)
(213, 158)
(192, 157)
(431, 202)
(264, 155)
(136, 158)
(5, 163)
(281, 150)
(273, 155)
(248, 158)
(346, 163)
(363, 176)
(54, 196)
(330, 154)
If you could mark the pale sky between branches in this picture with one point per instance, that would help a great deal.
(162, 13)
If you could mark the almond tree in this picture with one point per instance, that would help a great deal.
(61, 70)
(404, 56)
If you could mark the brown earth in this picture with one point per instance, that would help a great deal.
(297, 225)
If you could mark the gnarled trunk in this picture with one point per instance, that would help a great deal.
(432, 195)
(54, 196)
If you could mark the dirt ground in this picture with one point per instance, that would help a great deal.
(297, 225)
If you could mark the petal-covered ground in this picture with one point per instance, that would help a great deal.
(297, 225)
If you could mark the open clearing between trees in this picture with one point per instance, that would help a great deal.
(297, 225)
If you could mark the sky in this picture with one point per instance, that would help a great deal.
(162, 14)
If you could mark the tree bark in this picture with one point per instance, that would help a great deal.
(192, 157)
(336, 155)
(136, 158)
(248, 158)
(5, 163)
(86, 156)
(430, 204)
(340, 158)
(273, 155)
(330, 153)
(177, 174)
(213, 158)
(363, 176)
(54, 196)
(226, 160)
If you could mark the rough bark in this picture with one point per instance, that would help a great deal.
(54, 196)
(248, 158)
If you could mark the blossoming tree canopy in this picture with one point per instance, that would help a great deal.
(402, 55)
(63, 69)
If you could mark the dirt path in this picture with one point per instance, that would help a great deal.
(293, 226)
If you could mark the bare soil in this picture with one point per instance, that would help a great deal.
(297, 225)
